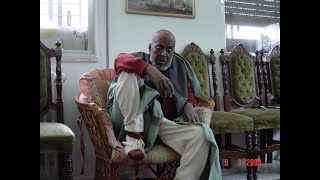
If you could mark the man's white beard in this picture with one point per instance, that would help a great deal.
(160, 67)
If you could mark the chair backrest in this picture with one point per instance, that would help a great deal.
(271, 72)
(242, 79)
(95, 85)
(201, 64)
(46, 92)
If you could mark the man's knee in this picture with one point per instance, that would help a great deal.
(126, 77)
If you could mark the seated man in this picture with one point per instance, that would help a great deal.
(152, 96)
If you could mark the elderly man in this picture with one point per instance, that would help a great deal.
(152, 98)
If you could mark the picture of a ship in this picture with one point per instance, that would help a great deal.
(183, 7)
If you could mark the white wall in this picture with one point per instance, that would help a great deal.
(133, 32)
(130, 33)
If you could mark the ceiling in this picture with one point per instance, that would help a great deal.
(258, 13)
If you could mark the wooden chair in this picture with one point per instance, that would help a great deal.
(221, 123)
(243, 88)
(271, 78)
(55, 136)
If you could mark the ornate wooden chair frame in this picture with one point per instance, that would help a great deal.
(56, 136)
(271, 99)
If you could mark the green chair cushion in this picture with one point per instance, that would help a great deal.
(43, 81)
(55, 137)
(228, 122)
(262, 118)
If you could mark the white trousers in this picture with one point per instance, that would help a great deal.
(187, 140)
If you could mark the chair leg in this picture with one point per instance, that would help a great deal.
(255, 154)
(269, 143)
(263, 144)
(105, 170)
(249, 152)
(218, 140)
(228, 142)
(65, 166)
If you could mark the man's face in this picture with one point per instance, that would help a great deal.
(161, 51)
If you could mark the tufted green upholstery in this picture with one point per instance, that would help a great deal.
(243, 84)
(227, 122)
(241, 66)
(243, 79)
(275, 68)
(199, 66)
(263, 118)
(221, 122)
(43, 81)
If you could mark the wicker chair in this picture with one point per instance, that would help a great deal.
(55, 136)
(109, 154)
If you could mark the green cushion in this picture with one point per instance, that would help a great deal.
(55, 137)
(227, 122)
(243, 78)
(43, 81)
(199, 66)
(262, 118)
(275, 68)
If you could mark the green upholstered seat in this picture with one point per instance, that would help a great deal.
(227, 122)
(263, 118)
(55, 137)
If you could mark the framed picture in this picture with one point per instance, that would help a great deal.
(175, 8)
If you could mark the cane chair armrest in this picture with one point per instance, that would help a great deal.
(205, 103)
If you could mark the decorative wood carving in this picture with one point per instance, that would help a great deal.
(226, 95)
(216, 97)
(271, 98)
(260, 87)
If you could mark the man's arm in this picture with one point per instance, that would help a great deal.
(189, 114)
(133, 64)
(130, 64)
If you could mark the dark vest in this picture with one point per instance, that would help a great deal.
(177, 75)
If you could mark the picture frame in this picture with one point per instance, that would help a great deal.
(173, 8)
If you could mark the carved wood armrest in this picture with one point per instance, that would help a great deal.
(205, 103)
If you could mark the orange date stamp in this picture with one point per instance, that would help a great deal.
(245, 162)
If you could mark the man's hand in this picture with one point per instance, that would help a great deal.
(161, 82)
(189, 114)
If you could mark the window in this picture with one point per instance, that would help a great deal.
(68, 22)
(254, 23)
